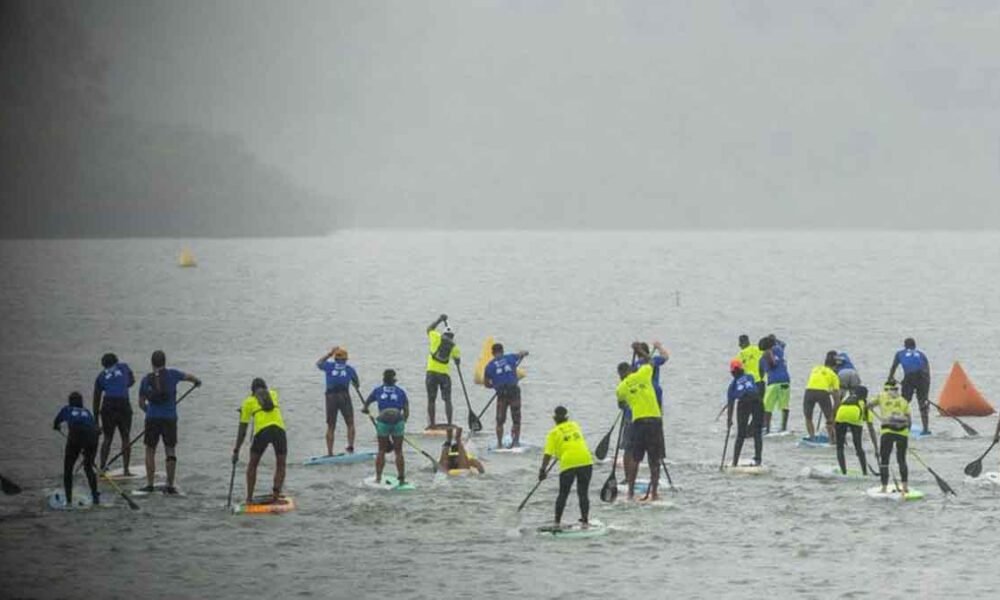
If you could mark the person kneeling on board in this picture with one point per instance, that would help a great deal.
(636, 391)
(745, 395)
(565, 444)
(339, 377)
(894, 414)
(851, 416)
(268, 430)
(501, 374)
(390, 425)
(82, 438)
(454, 454)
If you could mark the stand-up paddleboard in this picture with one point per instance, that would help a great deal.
(134, 472)
(779, 434)
(388, 483)
(264, 505)
(746, 468)
(344, 458)
(641, 486)
(917, 432)
(575, 530)
(439, 429)
(160, 488)
(892, 494)
(817, 441)
(470, 472)
(81, 500)
(522, 448)
(831, 472)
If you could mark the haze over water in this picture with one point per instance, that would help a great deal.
(270, 307)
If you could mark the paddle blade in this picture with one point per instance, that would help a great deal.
(131, 503)
(969, 431)
(610, 490)
(474, 423)
(945, 488)
(9, 487)
(601, 452)
(974, 468)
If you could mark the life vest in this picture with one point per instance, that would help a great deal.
(442, 353)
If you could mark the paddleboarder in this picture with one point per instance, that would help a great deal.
(625, 443)
(565, 443)
(81, 439)
(339, 377)
(455, 455)
(111, 403)
(823, 389)
(390, 425)
(744, 396)
(777, 391)
(268, 430)
(442, 350)
(850, 417)
(501, 374)
(658, 359)
(894, 414)
(158, 399)
(636, 390)
(749, 356)
(916, 378)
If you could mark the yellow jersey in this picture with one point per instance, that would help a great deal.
(565, 442)
(261, 418)
(637, 391)
(750, 357)
(853, 414)
(823, 378)
(894, 413)
(434, 365)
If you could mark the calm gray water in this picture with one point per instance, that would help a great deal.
(269, 308)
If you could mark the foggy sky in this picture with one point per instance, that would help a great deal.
(586, 114)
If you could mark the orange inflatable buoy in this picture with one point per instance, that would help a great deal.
(960, 398)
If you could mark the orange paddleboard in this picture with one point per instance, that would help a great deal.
(959, 396)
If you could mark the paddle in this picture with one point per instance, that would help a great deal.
(666, 472)
(601, 452)
(131, 503)
(610, 489)
(945, 488)
(973, 469)
(232, 479)
(725, 446)
(878, 457)
(433, 460)
(9, 487)
(139, 437)
(475, 424)
(968, 429)
(528, 497)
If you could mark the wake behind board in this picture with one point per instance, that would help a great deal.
(389, 483)
(81, 500)
(574, 531)
(894, 495)
(344, 458)
(265, 505)
(135, 472)
(831, 472)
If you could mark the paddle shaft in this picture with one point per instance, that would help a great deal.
(968, 429)
(531, 493)
(974, 468)
(9, 487)
(473, 419)
(139, 437)
(725, 445)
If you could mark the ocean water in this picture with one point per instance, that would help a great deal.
(270, 308)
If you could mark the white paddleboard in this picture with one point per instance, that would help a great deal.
(892, 494)
(779, 434)
(359, 456)
(523, 448)
(135, 472)
(159, 489)
(389, 483)
(81, 500)
(747, 469)
(831, 472)
(576, 530)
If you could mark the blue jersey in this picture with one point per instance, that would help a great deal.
(115, 381)
(339, 374)
(167, 409)
(388, 397)
(502, 371)
(844, 362)
(778, 372)
(77, 418)
(913, 361)
(741, 388)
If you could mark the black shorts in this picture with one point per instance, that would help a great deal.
(116, 413)
(270, 435)
(509, 396)
(157, 428)
(821, 397)
(647, 438)
(627, 443)
(917, 382)
(338, 401)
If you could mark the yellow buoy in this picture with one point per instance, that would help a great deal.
(186, 259)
